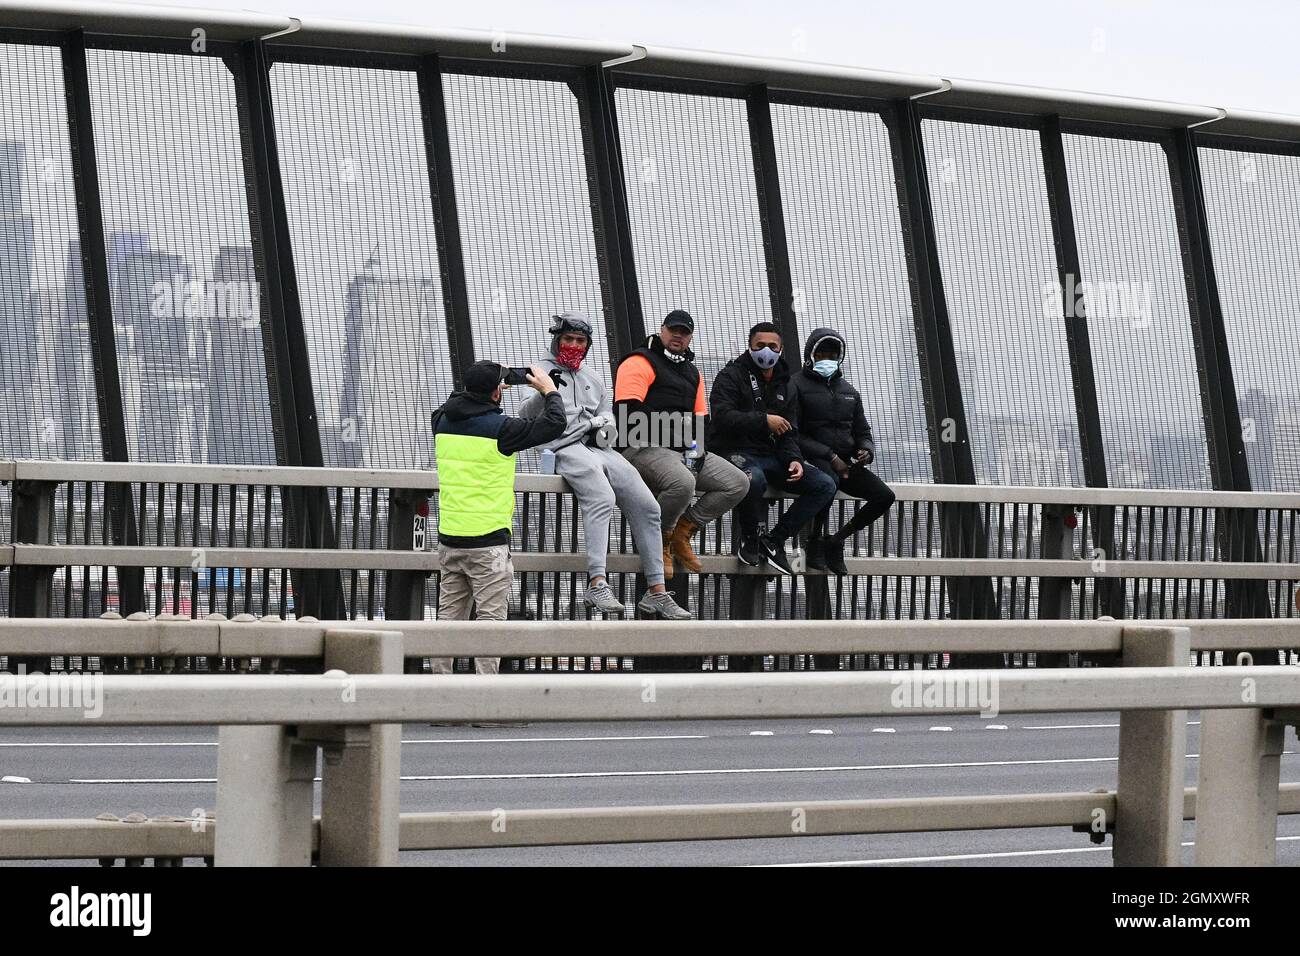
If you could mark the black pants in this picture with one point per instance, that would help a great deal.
(860, 483)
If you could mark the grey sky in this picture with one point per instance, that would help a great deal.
(1197, 51)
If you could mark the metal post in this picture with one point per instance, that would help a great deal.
(1152, 752)
(961, 527)
(308, 521)
(624, 323)
(33, 510)
(361, 770)
(1055, 595)
(747, 596)
(446, 217)
(404, 590)
(1070, 275)
(780, 279)
(264, 797)
(122, 524)
(1237, 789)
(771, 215)
(1236, 530)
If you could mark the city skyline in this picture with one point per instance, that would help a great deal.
(375, 326)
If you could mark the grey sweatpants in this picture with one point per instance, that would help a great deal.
(478, 578)
(720, 483)
(601, 478)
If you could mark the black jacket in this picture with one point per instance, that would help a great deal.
(465, 413)
(514, 434)
(831, 419)
(738, 414)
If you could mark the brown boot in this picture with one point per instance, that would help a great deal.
(668, 557)
(681, 545)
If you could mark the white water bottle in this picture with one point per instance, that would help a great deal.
(548, 462)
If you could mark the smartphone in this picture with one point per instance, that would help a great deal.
(515, 376)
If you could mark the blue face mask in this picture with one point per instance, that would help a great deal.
(826, 367)
(765, 358)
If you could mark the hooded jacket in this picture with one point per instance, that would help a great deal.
(831, 419)
(585, 399)
(739, 404)
(474, 448)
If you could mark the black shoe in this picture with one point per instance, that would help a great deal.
(815, 554)
(774, 553)
(748, 552)
(833, 549)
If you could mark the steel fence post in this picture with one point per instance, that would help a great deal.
(33, 517)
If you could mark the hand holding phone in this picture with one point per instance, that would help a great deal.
(515, 376)
(534, 376)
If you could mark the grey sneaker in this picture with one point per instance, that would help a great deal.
(662, 605)
(600, 597)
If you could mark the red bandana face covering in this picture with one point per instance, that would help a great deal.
(571, 356)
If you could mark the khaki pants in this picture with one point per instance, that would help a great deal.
(719, 483)
(474, 578)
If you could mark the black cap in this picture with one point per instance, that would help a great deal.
(680, 318)
(482, 378)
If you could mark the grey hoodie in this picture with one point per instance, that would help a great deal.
(585, 398)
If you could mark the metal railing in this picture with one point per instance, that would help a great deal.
(273, 726)
(222, 539)
(91, 372)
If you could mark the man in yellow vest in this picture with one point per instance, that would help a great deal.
(474, 447)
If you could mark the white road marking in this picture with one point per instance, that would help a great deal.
(883, 730)
(11, 779)
(121, 743)
(1190, 723)
(725, 771)
(952, 857)
(995, 726)
(941, 730)
(431, 740)
(1066, 726)
(529, 740)
(720, 771)
(821, 732)
(760, 733)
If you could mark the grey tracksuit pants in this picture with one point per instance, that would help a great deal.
(601, 478)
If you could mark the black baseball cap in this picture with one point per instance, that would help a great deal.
(482, 378)
(679, 318)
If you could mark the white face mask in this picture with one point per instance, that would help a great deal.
(765, 357)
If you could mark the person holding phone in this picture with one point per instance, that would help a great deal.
(835, 436)
(474, 454)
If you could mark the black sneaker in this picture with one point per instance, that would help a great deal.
(833, 551)
(774, 553)
(748, 552)
(815, 552)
